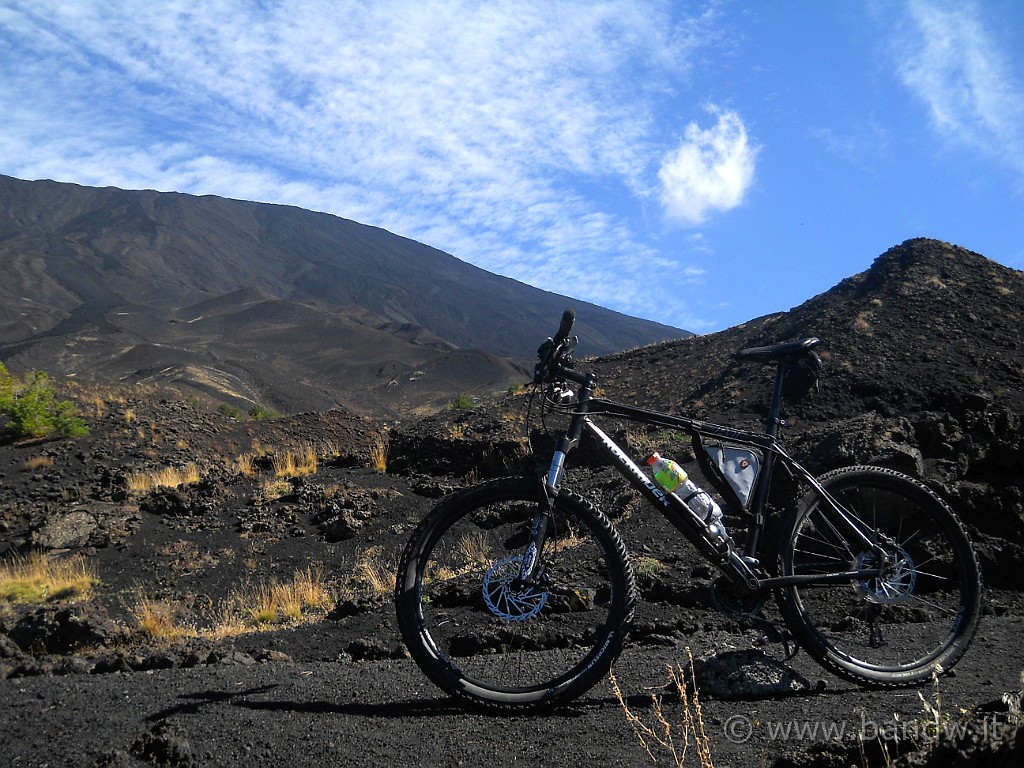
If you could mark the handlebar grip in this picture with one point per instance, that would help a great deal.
(565, 327)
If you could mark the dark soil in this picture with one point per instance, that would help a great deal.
(931, 387)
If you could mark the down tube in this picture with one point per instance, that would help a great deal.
(670, 505)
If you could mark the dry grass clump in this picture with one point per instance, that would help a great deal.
(35, 463)
(158, 618)
(328, 450)
(168, 477)
(663, 737)
(287, 603)
(273, 488)
(245, 464)
(37, 578)
(253, 607)
(379, 451)
(304, 462)
(371, 578)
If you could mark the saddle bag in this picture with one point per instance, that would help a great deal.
(738, 467)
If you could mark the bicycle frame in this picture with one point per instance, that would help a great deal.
(741, 568)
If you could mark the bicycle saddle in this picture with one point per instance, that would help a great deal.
(787, 351)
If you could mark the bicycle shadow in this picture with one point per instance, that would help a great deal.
(196, 703)
(442, 706)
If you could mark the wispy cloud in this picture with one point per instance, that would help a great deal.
(955, 65)
(511, 134)
(711, 170)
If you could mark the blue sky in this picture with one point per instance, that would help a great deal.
(694, 163)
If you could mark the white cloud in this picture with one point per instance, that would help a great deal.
(955, 65)
(711, 170)
(511, 134)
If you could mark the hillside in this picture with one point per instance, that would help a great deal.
(923, 372)
(248, 302)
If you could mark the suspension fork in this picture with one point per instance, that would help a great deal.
(531, 565)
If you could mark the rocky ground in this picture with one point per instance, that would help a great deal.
(83, 685)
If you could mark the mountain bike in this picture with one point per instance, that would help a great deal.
(516, 594)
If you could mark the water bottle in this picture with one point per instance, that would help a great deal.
(673, 478)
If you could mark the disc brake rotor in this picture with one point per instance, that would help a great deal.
(509, 602)
(895, 586)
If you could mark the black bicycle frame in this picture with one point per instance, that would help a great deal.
(738, 567)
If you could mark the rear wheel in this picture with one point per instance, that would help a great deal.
(896, 628)
(482, 637)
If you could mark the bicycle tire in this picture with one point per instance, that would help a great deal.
(487, 645)
(892, 631)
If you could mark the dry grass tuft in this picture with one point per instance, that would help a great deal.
(169, 477)
(663, 736)
(245, 464)
(372, 578)
(251, 608)
(158, 618)
(273, 488)
(379, 451)
(35, 463)
(37, 578)
(270, 604)
(304, 462)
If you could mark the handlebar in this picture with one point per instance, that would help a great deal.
(555, 354)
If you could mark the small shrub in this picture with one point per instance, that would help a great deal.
(461, 403)
(33, 408)
(230, 411)
(647, 568)
(8, 387)
(262, 412)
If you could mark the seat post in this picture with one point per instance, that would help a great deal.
(774, 420)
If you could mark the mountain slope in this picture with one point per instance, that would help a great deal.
(92, 274)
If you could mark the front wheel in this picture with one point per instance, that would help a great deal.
(482, 636)
(915, 617)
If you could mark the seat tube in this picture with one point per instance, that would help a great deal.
(774, 420)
